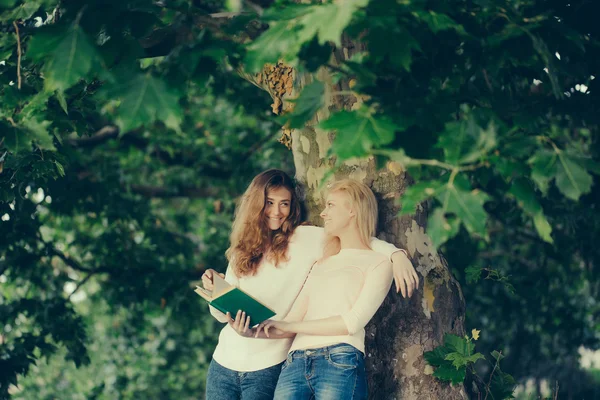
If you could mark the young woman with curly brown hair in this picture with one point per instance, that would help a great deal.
(270, 257)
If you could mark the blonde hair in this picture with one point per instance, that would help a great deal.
(364, 204)
(251, 238)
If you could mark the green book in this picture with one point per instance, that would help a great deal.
(228, 298)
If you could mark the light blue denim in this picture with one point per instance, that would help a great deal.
(225, 384)
(329, 373)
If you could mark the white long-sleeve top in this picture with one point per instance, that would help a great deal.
(277, 287)
(351, 284)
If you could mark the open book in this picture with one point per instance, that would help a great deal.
(228, 298)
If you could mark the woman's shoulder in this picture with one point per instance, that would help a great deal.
(372, 259)
(308, 229)
(308, 234)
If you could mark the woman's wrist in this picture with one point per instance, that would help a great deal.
(292, 327)
(399, 255)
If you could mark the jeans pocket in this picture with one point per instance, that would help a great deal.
(343, 360)
(286, 363)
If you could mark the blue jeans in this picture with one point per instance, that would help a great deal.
(225, 384)
(330, 373)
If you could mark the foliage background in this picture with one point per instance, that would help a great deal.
(128, 134)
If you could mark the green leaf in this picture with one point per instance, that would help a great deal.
(233, 5)
(45, 41)
(437, 356)
(497, 355)
(385, 30)
(438, 22)
(70, 57)
(59, 168)
(543, 227)
(358, 132)
(458, 198)
(416, 194)
(543, 168)
(20, 137)
(7, 46)
(144, 99)
(473, 358)
(525, 195)
(307, 104)
(502, 386)
(328, 21)
(287, 13)
(571, 177)
(7, 3)
(472, 273)
(567, 167)
(522, 190)
(24, 11)
(37, 105)
(465, 142)
(398, 156)
(441, 228)
(291, 27)
(448, 373)
(507, 167)
(519, 146)
(460, 361)
(589, 164)
(457, 359)
(61, 100)
(278, 42)
(458, 344)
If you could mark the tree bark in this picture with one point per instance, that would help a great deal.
(402, 330)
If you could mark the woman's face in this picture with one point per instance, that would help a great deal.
(337, 214)
(277, 208)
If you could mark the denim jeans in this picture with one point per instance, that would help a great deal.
(225, 384)
(329, 373)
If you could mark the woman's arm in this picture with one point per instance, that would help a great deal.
(296, 313)
(332, 326)
(405, 276)
(230, 278)
(376, 286)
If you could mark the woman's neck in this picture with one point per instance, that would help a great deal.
(350, 239)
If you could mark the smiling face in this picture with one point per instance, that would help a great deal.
(338, 214)
(277, 207)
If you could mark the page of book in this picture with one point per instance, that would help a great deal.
(220, 285)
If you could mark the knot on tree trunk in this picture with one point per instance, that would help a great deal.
(278, 79)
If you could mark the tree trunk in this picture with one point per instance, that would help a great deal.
(402, 330)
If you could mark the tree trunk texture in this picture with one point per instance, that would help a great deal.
(402, 330)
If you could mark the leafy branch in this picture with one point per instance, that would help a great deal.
(457, 355)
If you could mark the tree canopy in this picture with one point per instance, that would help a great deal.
(129, 128)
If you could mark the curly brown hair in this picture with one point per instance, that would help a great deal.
(251, 238)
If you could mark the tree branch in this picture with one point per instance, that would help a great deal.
(80, 284)
(134, 139)
(71, 262)
(101, 136)
(18, 55)
(257, 146)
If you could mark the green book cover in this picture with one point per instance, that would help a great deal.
(235, 299)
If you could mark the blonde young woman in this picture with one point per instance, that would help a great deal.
(341, 295)
(270, 257)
